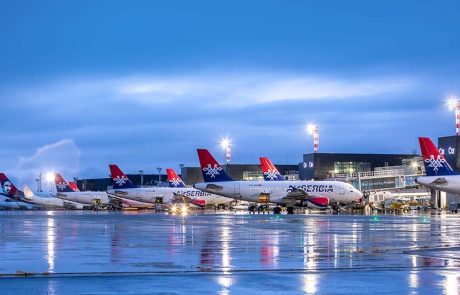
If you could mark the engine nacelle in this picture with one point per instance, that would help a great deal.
(317, 202)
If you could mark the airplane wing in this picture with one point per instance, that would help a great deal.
(297, 193)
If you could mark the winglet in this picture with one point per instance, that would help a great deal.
(212, 171)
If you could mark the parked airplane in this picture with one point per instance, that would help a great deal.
(8, 203)
(11, 196)
(124, 188)
(288, 193)
(48, 201)
(440, 175)
(65, 192)
(175, 182)
(271, 173)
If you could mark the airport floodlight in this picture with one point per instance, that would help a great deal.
(50, 177)
(454, 104)
(314, 130)
(414, 164)
(225, 144)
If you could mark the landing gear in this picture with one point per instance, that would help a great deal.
(277, 210)
(290, 210)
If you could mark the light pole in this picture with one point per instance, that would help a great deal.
(159, 174)
(314, 130)
(454, 104)
(141, 172)
(225, 144)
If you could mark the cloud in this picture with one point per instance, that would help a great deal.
(247, 89)
(62, 156)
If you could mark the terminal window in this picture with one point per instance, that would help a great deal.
(351, 167)
(253, 175)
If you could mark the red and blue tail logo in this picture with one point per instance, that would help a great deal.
(8, 189)
(74, 186)
(120, 180)
(212, 171)
(269, 170)
(435, 163)
(61, 185)
(173, 179)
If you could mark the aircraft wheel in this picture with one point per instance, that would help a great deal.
(277, 210)
(290, 210)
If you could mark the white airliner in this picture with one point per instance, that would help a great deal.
(440, 174)
(8, 203)
(65, 192)
(48, 200)
(270, 173)
(282, 192)
(178, 193)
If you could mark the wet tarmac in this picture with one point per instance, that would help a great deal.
(70, 252)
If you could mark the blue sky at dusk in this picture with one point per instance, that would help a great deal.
(144, 83)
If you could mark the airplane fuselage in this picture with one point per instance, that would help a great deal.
(280, 191)
(168, 194)
(446, 183)
(90, 198)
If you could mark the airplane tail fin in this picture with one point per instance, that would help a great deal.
(8, 188)
(173, 179)
(74, 186)
(212, 171)
(120, 180)
(269, 170)
(61, 185)
(435, 163)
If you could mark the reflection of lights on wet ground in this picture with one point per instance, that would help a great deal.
(310, 283)
(414, 233)
(375, 218)
(414, 260)
(225, 283)
(414, 280)
(425, 219)
(225, 234)
(310, 280)
(451, 284)
(50, 243)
